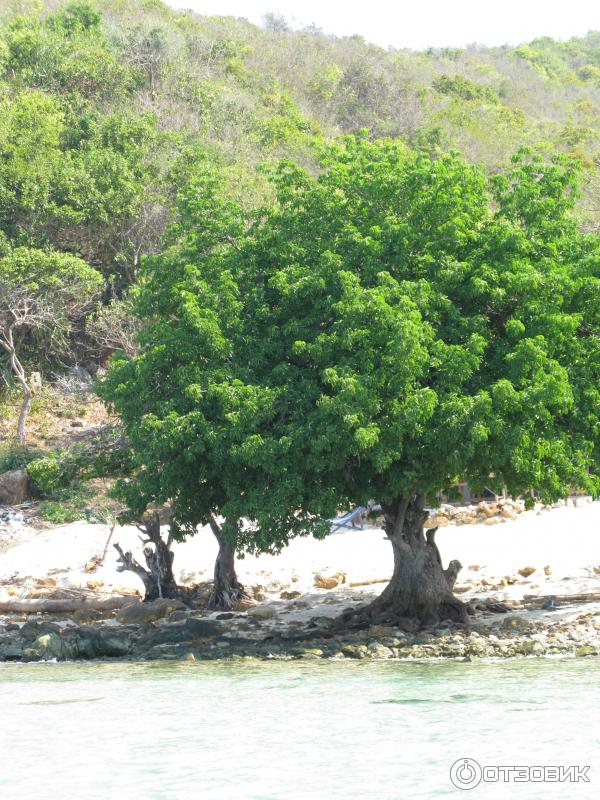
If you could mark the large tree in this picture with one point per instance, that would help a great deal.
(382, 331)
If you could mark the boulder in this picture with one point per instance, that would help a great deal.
(49, 646)
(198, 628)
(101, 643)
(525, 572)
(142, 613)
(289, 595)
(32, 629)
(10, 651)
(329, 581)
(13, 487)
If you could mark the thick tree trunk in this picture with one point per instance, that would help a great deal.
(420, 590)
(226, 590)
(157, 577)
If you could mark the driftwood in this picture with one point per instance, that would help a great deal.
(157, 576)
(550, 600)
(51, 606)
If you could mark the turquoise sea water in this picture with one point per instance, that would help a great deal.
(291, 730)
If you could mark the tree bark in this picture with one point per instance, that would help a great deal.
(157, 577)
(420, 590)
(226, 590)
(24, 412)
(8, 343)
(51, 606)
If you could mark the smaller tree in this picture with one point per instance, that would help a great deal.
(41, 293)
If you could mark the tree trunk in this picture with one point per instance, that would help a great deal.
(8, 343)
(226, 590)
(158, 578)
(420, 590)
(24, 412)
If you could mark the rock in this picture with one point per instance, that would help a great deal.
(179, 615)
(355, 650)
(198, 628)
(13, 487)
(378, 650)
(10, 651)
(101, 643)
(547, 570)
(188, 657)
(262, 612)
(226, 615)
(47, 647)
(525, 572)
(474, 567)
(310, 652)
(32, 629)
(381, 631)
(492, 520)
(461, 589)
(329, 581)
(529, 647)
(586, 650)
(141, 613)
(289, 595)
(95, 584)
(84, 615)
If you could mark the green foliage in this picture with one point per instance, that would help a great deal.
(107, 455)
(41, 292)
(388, 327)
(69, 505)
(14, 457)
(50, 473)
(457, 86)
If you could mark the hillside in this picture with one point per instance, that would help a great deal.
(110, 110)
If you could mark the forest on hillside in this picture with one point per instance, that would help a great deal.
(111, 111)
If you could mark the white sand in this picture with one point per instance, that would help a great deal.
(567, 539)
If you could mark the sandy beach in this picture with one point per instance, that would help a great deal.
(543, 552)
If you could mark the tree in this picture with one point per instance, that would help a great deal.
(41, 293)
(419, 325)
(384, 330)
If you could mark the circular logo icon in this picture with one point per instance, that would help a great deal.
(465, 773)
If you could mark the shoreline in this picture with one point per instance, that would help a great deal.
(295, 596)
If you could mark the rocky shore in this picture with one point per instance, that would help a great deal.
(549, 604)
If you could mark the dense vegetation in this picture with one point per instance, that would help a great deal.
(139, 143)
(105, 108)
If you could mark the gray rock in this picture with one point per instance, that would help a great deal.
(101, 643)
(34, 628)
(13, 487)
(10, 651)
(197, 628)
(49, 646)
(141, 613)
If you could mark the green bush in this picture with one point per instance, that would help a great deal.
(55, 471)
(15, 457)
